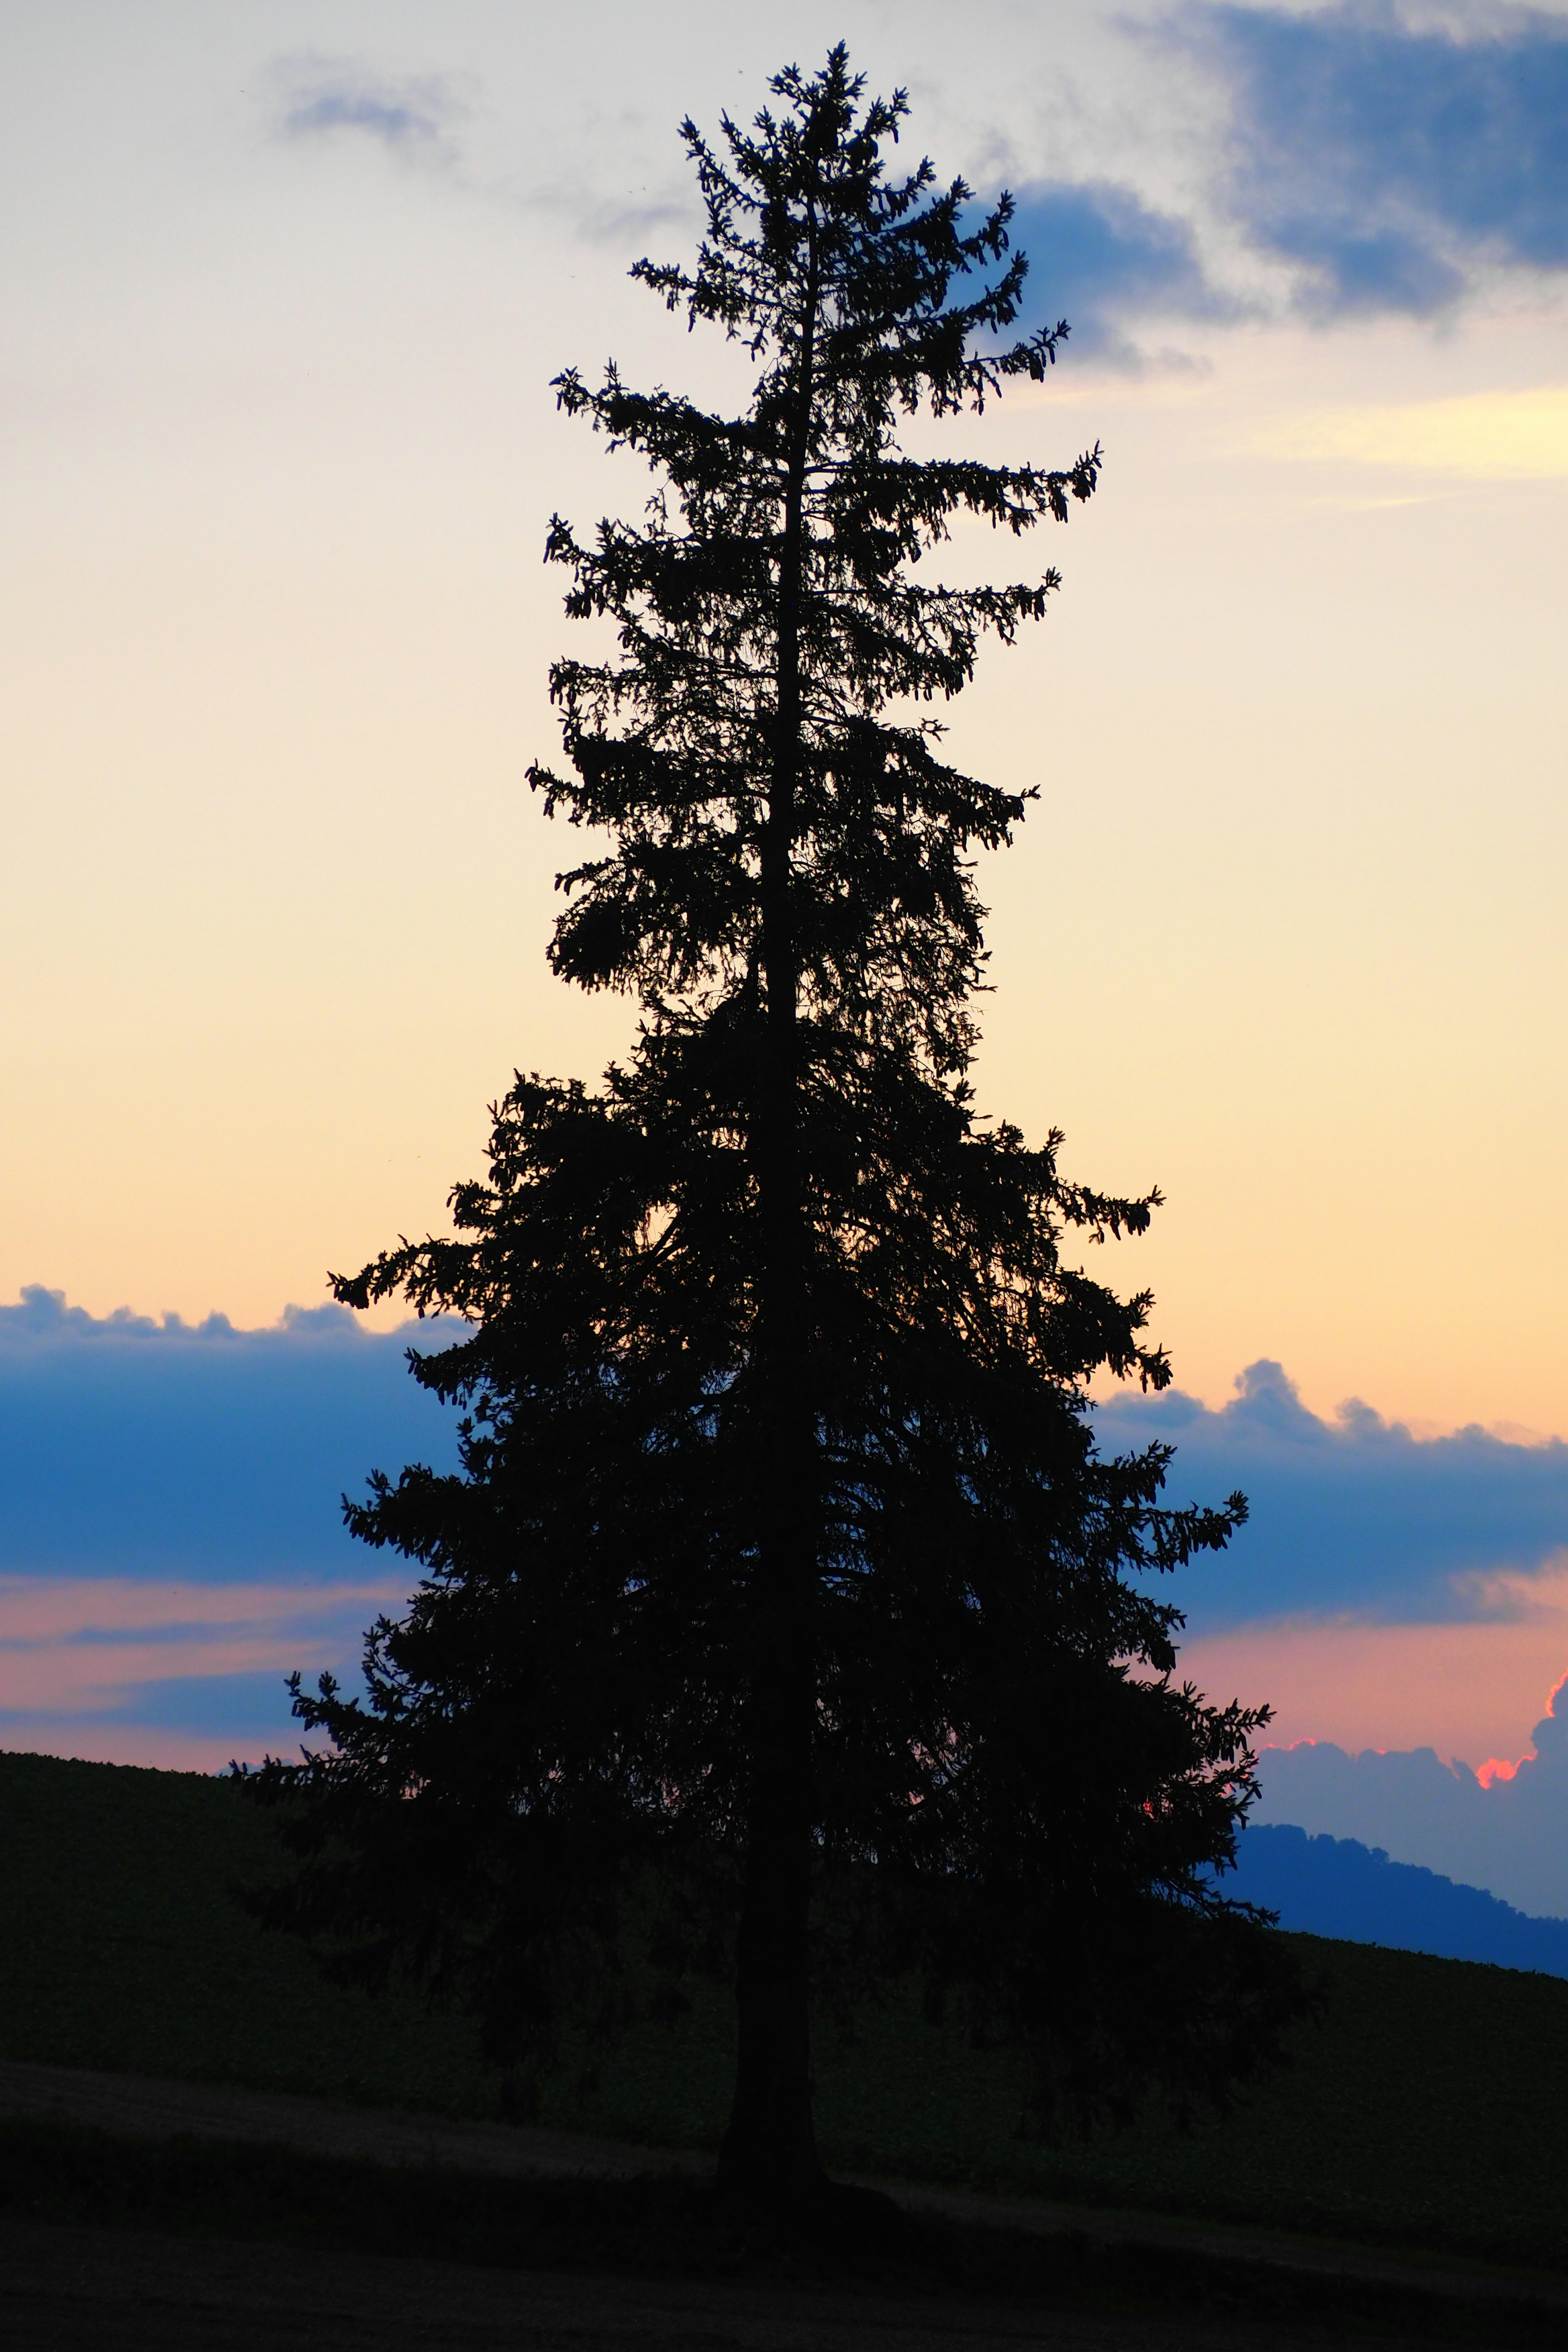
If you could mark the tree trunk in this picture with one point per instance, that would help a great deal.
(770, 2146)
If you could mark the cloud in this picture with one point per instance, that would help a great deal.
(1389, 168)
(1395, 164)
(1354, 1517)
(170, 1512)
(1100, 257)
(171, 1451)
(94, 1644)
(414, 115)
(187, 1722)
(1503, 1833)
(185, 1675)
(171, 1534)
(1465, 1690)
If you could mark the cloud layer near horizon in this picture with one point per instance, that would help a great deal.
(1400, 1594)
(171, 1529)
(120, 1670)
(146, 1465)
(131, 1448)
(1505, 1834)
(1354, 1517)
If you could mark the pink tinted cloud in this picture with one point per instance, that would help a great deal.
(86, 1643)
(43, 1609)
(1473, 1691)
(95, 1739)
(104, 1675)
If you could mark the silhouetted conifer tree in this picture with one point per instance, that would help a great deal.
(783, 1598)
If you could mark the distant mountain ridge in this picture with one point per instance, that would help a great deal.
(1507, 1835)
(1339, 1887)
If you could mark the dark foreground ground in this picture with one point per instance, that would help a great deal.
(203, 2143)
(97, 2289)
(1425, 2110)
(135, 2212)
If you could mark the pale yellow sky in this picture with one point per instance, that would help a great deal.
(1283, 935)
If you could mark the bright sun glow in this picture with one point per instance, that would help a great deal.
(1485, 437)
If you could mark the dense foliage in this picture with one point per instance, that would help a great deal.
(783, 1603)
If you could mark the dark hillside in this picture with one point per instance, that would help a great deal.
(120, 1947)
(1428, 2109)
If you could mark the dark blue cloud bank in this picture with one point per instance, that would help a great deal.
(1352, 1515)
(171, 1522)
(203, 1465)
(129, 1447)
(1355, 1519)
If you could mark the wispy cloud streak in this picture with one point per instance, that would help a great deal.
(93, 1642)
(413, 114)
(1105, 260)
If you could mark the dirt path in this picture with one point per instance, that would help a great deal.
(82, 2290)
(139, 2107)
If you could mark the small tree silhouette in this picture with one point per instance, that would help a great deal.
(783, 1598)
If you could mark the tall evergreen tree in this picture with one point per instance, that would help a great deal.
(782, 1597)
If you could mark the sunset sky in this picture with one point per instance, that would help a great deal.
(1284, 934)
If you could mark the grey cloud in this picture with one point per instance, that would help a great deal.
(1508, 1838)
(1396, 164)
(234, 1704)
(414, 113)
(41, 1315)
(1391, 168)
(1353, 1515)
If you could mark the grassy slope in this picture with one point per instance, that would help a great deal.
(1429, 2109)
